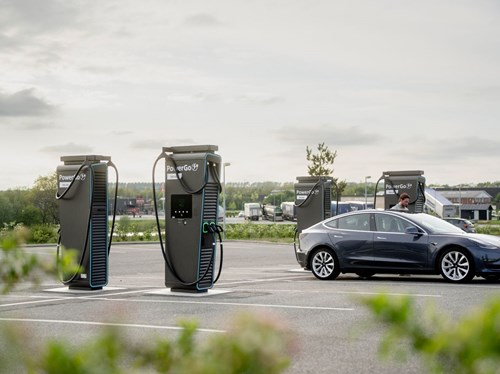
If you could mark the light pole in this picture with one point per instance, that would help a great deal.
(459, 201)
(366, 191)
(224, 196)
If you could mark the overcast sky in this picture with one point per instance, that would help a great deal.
(389, 85)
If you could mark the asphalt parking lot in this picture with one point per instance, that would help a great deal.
(333, 329)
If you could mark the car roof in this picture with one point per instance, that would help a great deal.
(370, 210)
(381, 211)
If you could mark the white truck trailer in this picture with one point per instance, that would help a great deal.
(252, 211)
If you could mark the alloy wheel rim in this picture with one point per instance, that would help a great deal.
(323, 264)
(455, 265)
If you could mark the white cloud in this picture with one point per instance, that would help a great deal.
(67, 149)
(24, 103)
(334, 135)
(202, 20)
(37, 126)
(158, 144)
(388, 85)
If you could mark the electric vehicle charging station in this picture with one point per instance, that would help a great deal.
(410, 181)
(312, 200)
(192, 188)
(82, 193)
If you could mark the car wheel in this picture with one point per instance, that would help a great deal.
(324, 264)
(365, 274)
(456, 265)
(491, 277)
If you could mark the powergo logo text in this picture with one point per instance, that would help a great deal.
(391, 189)
(182, 168)
(65, 180)
(69, 178)
(402, 186)
(302, 195)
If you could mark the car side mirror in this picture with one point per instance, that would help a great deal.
(412, 230)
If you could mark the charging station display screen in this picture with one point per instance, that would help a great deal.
(181, 206)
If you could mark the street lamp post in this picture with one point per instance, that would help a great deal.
(224, 196)
(366, 191)
(459, 201)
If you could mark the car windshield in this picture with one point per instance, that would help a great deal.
(435, 225)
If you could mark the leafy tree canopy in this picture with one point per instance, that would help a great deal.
(321, 161)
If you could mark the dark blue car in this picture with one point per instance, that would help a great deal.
(368, 242)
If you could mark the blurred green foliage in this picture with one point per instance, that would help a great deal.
(15, 264)
(469, 345)
(253, 344)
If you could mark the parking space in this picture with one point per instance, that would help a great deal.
(332, 328)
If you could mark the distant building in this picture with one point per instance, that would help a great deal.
(476, 212)
(468, 196)
(472, 204)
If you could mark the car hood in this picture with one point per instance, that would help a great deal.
(490, 239)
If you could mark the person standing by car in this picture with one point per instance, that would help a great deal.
(402, 205)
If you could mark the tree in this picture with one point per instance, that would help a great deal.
(5, 209)
(12, 203)
(30, 216)
(43, 197)
(320, 166)
(320, 161)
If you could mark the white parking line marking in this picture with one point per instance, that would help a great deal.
(45, 300)
(260, 280)
(387, 293)
(225, 304)
(31, 302)
(105, 324)
(336, 292)
(109, 298)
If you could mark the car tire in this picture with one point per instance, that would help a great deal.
(324, 264)
(365, 274)
(456, 265)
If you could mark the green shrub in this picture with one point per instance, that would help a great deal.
(254, 231)
(42, 234)
(490, 230)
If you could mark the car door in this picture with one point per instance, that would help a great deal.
(393, 248)
(352, 239)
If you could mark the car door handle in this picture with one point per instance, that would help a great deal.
(337, 236)
(381, 237)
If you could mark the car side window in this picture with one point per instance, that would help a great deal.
(382, 222)
(359, 222)
(334, 223)
(388, 223)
